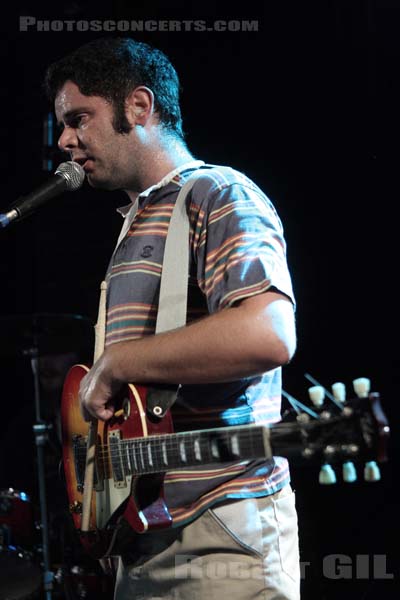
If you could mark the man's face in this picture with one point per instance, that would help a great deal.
(90, 138)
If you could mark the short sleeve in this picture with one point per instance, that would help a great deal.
(240, 246)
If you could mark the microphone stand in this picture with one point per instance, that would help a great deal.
(40, 429)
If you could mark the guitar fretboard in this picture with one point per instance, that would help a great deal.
(157, 454)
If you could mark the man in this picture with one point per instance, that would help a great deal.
(234, 527)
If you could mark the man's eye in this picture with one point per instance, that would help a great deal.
(76, 121)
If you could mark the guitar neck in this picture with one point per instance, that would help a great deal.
(304, 443)
(156, 454)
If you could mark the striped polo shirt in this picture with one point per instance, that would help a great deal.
(236, 250)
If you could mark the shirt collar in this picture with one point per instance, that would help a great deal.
(193, 164)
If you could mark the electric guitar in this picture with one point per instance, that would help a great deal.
(134, 451)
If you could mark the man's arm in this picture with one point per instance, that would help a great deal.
(255, 336)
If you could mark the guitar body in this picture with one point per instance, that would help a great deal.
(134, 451)
(119, 505)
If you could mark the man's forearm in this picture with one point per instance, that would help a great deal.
(254, 337)
(234, 343)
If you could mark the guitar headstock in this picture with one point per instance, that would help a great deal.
(337, 431)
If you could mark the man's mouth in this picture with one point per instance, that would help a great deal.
(83, 161)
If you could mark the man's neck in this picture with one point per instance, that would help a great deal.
(157, 162)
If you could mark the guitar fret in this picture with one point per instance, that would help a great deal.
(157, 454)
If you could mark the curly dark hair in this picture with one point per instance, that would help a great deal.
(111, 68)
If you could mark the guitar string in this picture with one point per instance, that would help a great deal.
(174, 438)
(136, 455)
(169, 441)
(163, 443)
(160, 452)
(141, 463)
(138, 462)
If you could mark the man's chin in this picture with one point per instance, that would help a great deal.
(100, 184)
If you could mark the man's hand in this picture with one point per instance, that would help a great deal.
(96, 392)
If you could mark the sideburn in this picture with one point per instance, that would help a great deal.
(120, 121)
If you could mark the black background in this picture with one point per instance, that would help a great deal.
(307, 106)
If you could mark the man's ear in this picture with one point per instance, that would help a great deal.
(139, 106)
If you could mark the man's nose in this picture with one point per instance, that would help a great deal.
(67, 140)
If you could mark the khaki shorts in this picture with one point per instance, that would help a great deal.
(238, 550)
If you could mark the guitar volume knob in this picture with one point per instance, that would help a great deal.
(75, 508)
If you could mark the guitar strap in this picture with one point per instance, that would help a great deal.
(172, 306)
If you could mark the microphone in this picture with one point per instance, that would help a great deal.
(69, 176)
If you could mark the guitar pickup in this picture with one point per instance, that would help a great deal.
(79, 448)
(117, 463)
(79, 451)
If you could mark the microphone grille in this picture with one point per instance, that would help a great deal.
(73, 174)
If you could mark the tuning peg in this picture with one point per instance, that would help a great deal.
(349, 472)
(362, 386)
(339, 391)
(327, 475)
(371, 471)
(317, 395)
